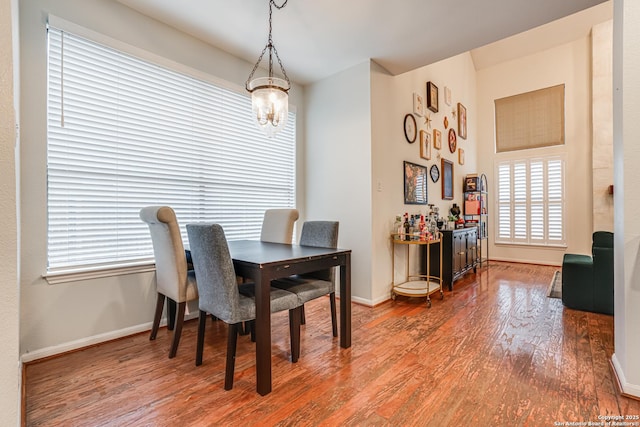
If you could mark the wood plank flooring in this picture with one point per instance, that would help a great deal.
(495, 352)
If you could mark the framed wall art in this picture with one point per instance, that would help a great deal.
(462, 121)
(461, 156)
(447, 95)
(437, 139)
(418, 105)
(432, 97)
(425, 145)
(446, 169)
(415, 184)
(410, 128)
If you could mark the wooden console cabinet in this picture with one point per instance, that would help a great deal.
(459, 255)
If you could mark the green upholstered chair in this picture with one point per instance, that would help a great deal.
(587, 281)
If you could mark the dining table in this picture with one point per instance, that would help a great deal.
(262, 262)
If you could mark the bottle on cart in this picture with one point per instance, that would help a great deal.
(406, 226)
(397, 226)
(412, 226)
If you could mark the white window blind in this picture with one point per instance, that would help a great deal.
(124, 133)
(529, 206)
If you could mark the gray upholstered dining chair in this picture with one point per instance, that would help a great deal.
(309, 286)
(220, 296)
(277, 225)
(174, 281)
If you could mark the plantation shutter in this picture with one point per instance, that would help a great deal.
(530, 206)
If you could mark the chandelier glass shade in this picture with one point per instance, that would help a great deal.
(270, 103)
(270, 95)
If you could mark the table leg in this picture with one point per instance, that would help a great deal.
(345, 302)
(263, 333)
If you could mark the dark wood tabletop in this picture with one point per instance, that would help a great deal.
(263, 262)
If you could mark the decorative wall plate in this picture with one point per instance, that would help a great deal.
(435, 173)
(453, 140)
(410, 128)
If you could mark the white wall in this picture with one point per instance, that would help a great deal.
(386, 137)
(393, 98)
(626, 109)
(568, 64)
(9, 314)
(338, 165)
(355, 153)
(63, 316)
(602, 107)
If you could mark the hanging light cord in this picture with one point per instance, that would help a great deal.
(270, 46)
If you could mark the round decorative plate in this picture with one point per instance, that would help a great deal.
(435, 173)
(453, 140)
(410, 128)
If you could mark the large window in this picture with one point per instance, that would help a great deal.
(530, 201)
(124, 133)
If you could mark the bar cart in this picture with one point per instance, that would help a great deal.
(417, 285)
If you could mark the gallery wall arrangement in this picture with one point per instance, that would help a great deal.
(426, 124)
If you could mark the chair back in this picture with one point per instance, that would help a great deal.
(322, 234)
(216, 276)
(277, 225)
(168, 250)
(602, 251)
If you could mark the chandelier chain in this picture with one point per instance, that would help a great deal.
(271, 47)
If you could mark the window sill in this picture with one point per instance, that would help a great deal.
(558, 247)
(75, 275)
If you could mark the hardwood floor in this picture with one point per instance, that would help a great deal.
(495, 352)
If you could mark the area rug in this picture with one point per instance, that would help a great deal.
(555, 287)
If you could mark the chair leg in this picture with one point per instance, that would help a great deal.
(171, 314)
(156, 318)
(178, 330)
(251, 325)
(201, 326)
(334, 323)
(294, 331)
(303, 319)
(244, 328)
(232, 340)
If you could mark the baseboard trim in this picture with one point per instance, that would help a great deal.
(82, 343)
(524, 261)
(631, 391)
(362, 301)
(23, 394)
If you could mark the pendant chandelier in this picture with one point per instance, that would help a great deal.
(270, 95)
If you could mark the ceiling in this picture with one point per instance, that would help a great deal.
(316, 39)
